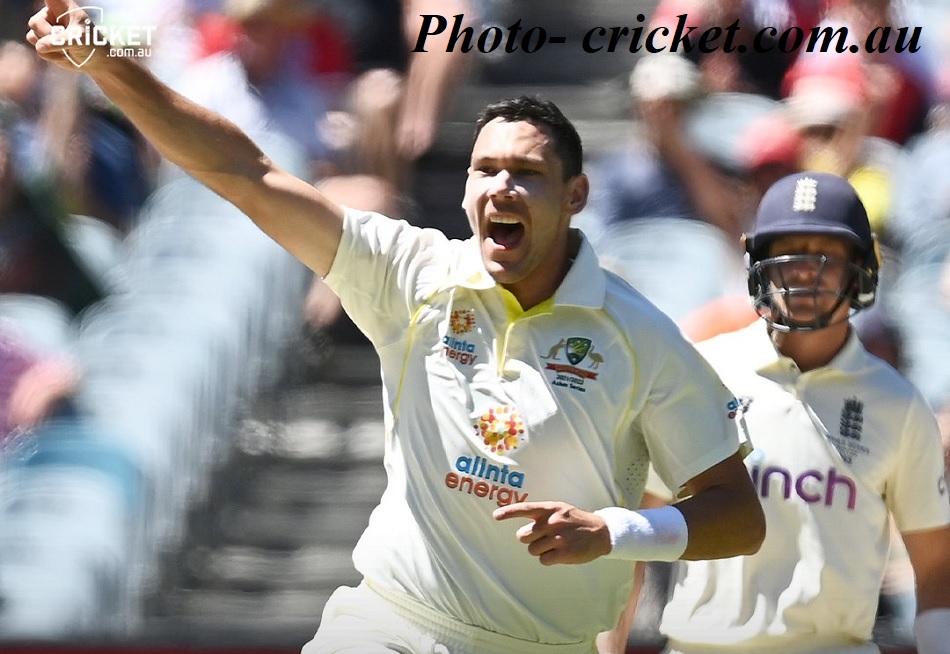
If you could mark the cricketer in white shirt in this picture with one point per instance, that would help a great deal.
(494, 415)
(486, 405)
(841, 440)
(837, 449)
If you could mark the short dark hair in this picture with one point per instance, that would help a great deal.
(545, 115)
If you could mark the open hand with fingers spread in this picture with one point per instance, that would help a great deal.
(62, 33)
(559, 532)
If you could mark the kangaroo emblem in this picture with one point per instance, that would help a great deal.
(552, 353)
(595, 359)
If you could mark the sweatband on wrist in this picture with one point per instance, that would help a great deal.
(932, 631)
(648, 535)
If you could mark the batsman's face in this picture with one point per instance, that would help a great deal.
(810, 274)
(519, 207)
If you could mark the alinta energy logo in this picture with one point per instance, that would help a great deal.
(462, 321)
(501, 429)
(487, 480)
(95, 33)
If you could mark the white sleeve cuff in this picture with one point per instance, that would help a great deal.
(648, 535)
(932, 631)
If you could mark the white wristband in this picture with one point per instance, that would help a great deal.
(932, 631)
(647, 535)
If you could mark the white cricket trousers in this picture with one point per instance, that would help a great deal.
(366, 620)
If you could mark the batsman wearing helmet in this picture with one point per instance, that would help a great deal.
(841, 441)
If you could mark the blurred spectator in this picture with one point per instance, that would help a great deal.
(97, 160)
(383, 34)
(33, 387)
(823, 124)
(920, 229)
(748, 71)
(390, 117)
(368, 174)
(64, 132)
(19, 101)
(660, 210)
(920, 299)
(900, 86)
(297, 58)
(770, 147)
(260, 71)
(362, 136)
(34, 256)
(431, 77)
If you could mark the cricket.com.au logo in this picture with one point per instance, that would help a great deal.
(95, 32)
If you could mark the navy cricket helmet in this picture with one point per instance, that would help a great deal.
(809, 204)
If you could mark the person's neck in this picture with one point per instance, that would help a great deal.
(811, 350)
(529, 294)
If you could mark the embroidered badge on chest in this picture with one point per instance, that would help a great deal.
(850, 428)
(852, 418)
(582, 359)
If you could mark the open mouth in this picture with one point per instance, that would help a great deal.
(505, 232)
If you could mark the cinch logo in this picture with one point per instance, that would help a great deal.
(812, 486)
(462, 321)
(121, 40)
(501, 429)
(473, 480)
(460, 350)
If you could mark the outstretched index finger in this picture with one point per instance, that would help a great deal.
(57, 11)
(532, 510)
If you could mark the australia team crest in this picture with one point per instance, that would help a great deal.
(582, 360)
(576, 349)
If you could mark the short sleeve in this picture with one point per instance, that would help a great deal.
(689, 419)
(916, 492)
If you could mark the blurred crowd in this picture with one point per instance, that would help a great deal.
(132, 334)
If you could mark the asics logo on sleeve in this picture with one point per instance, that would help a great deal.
(737, 406)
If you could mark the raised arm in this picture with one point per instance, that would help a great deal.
(209, 147)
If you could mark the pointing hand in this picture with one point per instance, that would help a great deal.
(559, 532)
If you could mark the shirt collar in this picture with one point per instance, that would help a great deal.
(765, 356)
(585, 284)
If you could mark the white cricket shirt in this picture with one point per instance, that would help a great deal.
(836, 449)
(486, 405)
